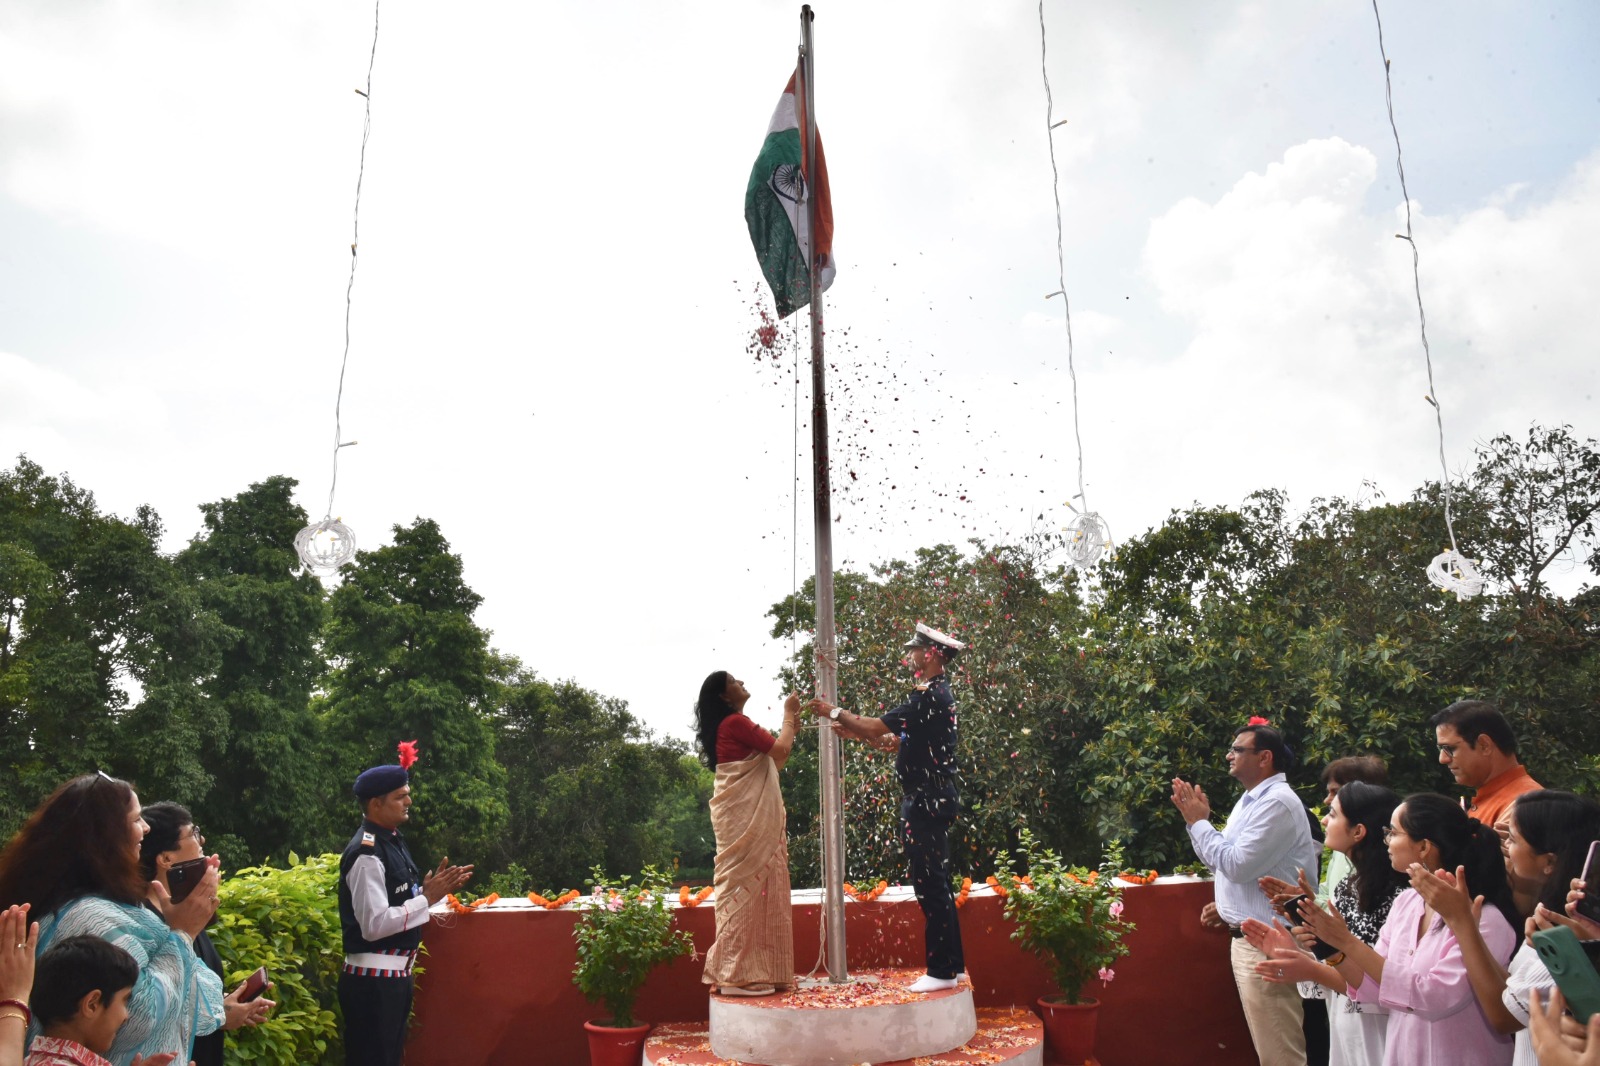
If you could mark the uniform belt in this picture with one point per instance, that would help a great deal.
(399, 962)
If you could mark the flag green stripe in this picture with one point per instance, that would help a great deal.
(776, 244)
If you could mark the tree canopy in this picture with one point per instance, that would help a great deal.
(223, 678)
(1080, 701)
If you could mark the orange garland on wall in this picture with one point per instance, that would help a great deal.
(551, 904)
(687, 900)
(868, 896)
(467, 908)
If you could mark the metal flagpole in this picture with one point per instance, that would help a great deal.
(827, 662)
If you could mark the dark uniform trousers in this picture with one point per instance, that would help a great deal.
(928, 850)
(376, 1012)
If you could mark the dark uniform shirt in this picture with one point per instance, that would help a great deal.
(402, 881)
(926, 726)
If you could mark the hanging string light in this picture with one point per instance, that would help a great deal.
(330, 544)
(1449, 570)
(1089, 537)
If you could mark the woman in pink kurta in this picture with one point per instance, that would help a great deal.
(1416, 970)
(1434, 1015)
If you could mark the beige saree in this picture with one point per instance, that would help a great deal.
(755, 940)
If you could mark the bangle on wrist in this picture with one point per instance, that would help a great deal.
(18, 1009)
(1335, 959)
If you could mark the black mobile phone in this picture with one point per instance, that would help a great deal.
(1291, 907)
(1589, 902)
(254, 985)
(1575, 975)
(183, 876)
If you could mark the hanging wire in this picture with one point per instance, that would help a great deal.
(1449, 570)
(330, 544)
(1089, 534)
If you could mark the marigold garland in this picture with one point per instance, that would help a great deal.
(966, 890)
(1134, 877)
(1000, 890)
(687, 900)
(458, 907)
(551, 904)
(868, 896)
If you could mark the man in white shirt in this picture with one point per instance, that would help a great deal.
(1268, 835)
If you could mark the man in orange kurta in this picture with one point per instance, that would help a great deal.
(1479, 749)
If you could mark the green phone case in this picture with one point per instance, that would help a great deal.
(1575, 975)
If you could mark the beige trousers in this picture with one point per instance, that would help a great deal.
(1273, 1012)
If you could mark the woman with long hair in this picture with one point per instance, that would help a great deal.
(1550, 836)
(1357, 817)
(754, 950)
(1416, 970)
(76, 861)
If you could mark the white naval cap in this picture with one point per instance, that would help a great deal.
(928, 637)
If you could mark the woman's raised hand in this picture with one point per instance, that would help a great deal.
(1267, 938)
(19, 942)
(1447, 894)
(1287, 966)
(1327, 925)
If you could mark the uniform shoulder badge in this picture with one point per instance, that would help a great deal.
(924, 686)
(367, 839)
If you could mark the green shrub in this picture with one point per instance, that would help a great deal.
(1067, 916)
(288, 921)
(625, 932)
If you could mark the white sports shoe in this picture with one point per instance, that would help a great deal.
(932, 984)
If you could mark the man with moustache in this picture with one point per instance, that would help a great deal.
(1267, 835)
(383, 905)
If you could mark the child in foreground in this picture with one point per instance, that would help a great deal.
(80, 999)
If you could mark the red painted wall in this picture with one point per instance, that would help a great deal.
(498, 988)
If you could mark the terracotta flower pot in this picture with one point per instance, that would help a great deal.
(609, 1046)
(1069, 1029)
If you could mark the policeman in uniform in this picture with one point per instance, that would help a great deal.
(922, 730)
(383, 904)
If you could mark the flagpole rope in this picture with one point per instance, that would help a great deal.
(355, 237)
(1090, 535)
(1451, 571)
(330, 544)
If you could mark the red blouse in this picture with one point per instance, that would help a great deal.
(738, 737)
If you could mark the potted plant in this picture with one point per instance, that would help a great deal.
(624, 933)
(1071, 918)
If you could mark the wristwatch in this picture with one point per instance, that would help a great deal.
(835, 713)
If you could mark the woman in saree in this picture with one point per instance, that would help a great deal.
(754, 950)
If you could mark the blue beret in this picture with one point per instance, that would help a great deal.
(380, 781)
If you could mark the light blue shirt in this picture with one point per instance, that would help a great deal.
(1268, 835)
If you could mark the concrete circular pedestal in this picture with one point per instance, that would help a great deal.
(873, 1018)
(1005, 1037)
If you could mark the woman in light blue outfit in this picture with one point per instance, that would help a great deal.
(77, 862)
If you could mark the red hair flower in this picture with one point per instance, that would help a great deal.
(1258, 720)
(408, 754)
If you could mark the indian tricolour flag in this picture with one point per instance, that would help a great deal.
(781, 184)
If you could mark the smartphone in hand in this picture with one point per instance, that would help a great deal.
(1291, 907)
(254, 985)
(184, 876)
(1589, 903)
(1562, 954)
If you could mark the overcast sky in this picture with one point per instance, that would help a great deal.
(556, 295)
